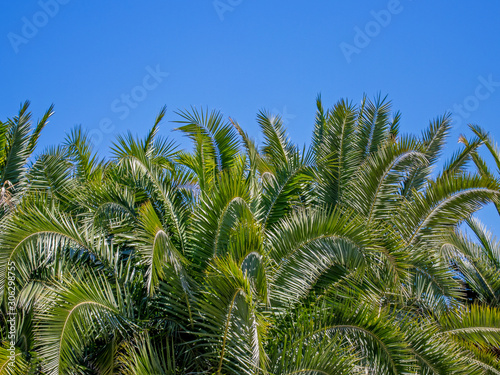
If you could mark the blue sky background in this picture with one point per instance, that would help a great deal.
(240, 56)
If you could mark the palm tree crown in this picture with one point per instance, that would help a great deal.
(346, 257)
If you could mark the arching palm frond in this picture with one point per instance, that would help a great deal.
(80, 311)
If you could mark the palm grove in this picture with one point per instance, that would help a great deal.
(346, 257)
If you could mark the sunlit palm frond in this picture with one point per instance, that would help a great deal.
(81, 310)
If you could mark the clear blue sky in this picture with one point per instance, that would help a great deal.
(110, 66)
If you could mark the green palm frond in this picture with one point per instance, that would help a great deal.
(307, 245)
(447, 201)
(312, 246)
(41, 220)
(86, 164)
(478, 324)
(302, 348)
(459, 160)
(256, 162)
(278, 148)
(81, 310)
(433, 141)
(212, 135)
(333, 145)
(477, 261)
(436, 354)
(232, 330)
(486, 360)
(19, 142)
(488, 142)
(35, 135)
(143, 356)
(149, 175)
(373, 190)
(493, 150)
(15, 365)
(156, 248)
(219, 212)
(286, 188)
(319, 126)
(374, 125)
(371, 332)
(51, 173)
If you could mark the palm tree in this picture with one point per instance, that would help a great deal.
(239, 259)
(474, 253)
(17, 142)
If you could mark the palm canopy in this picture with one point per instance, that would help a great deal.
(342, 258)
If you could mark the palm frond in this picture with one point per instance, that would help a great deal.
(82, 310)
